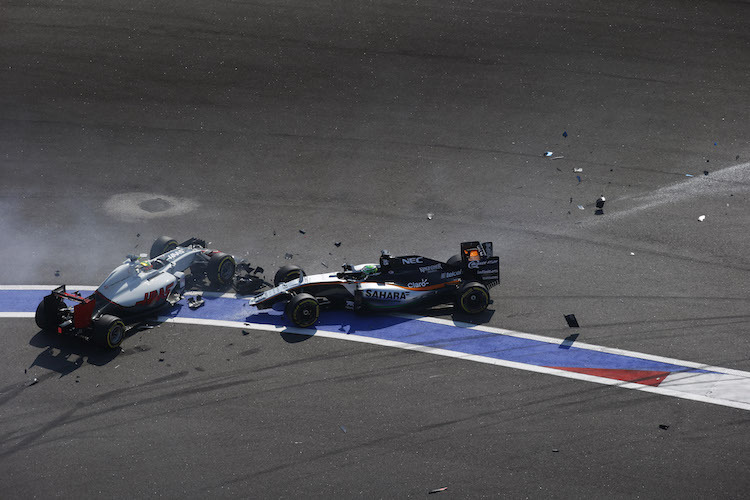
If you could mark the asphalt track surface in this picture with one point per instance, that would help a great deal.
(244, 123)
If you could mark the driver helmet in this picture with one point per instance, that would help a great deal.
(369, 269)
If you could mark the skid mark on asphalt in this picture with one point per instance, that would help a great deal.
(478, 343)
(721, 182)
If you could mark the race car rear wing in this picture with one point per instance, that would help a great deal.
(479, 264)
(81, 311)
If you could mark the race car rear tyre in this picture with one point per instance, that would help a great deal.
(109, 331)
(221, 268)
(454, 262)
(472, 298)
(162, 245)
(286, 274)
(303, 310)
(46, 316)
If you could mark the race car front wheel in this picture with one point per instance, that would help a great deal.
(109, 331)
(286, 274)
(303, 310)
(162, 245)
(221, 268)
(472, 298)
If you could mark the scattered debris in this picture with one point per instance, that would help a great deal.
(737, 157)
(702, 218)
(663, 427)
(558, 157)
(705, 172)
(579, 169)
(32, 382)
(161, 360)
(430, 216)
(555, 450)
(343, 428)
(301, 231)
(572, 321)
(337, 243)
(579, 178)
(138, 235)
(274, 232)
(600, 205)
(288, 256)
(689, 175)
(196, 302)
(57, 273)
(548, 153)
(245, 332)
(632, 253)
(438, 490)
(581, 207)
(565, 133)
(324, 265)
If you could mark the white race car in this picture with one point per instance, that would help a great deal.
(139, 287)
(396, 283)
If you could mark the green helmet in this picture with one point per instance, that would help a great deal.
(369, 269)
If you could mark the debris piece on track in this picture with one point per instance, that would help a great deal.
(702, 218)
(196, 302)
(438, 490)
(572, 321)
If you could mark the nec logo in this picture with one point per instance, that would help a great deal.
(412, 260)
(154, 296)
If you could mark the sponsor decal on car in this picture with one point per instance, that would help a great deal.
(418, 284)
(154, 296)
(382, 295)
(433, 267)
(450, 274)
(411, 260)
(474, 264)
(487, 271)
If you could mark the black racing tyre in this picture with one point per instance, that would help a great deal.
(303, 310)
(163, 244)
(454, 262)
(287, 273)
(46, 316)
(109, 331)
(472, 298)
(221, 268)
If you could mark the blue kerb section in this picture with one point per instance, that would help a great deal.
(397, 329)
(23, 300)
